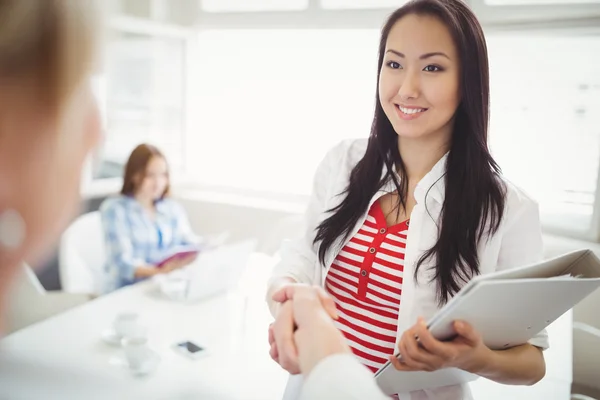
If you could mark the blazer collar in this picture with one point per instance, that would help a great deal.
(433, 185)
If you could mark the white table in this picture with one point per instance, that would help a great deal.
(237, 344)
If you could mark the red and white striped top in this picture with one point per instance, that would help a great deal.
(365, 280)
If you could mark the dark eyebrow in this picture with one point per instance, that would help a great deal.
(423, 57)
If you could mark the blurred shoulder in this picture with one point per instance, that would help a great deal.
(114, 203)
(351, 150)
(170, 204)
(518, 202)
(343, 157)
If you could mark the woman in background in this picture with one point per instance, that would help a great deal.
(143, 225)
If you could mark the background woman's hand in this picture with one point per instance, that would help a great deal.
(187, 260)
(177, 263)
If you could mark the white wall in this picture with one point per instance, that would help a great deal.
(258, 218)
(268, 222)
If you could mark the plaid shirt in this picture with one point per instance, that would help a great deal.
(134, 239)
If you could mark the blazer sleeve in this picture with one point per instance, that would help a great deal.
(341, 376)
(522, 242)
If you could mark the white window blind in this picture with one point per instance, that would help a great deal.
(349, 4)
(537, 2)
(253, 5)
(142, 99)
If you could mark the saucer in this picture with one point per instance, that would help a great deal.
(111, 337)
(148, 367)
(144, 369)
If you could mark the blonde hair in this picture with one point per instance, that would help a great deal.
(50, 44)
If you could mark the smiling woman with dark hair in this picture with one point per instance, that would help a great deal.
(398, 223)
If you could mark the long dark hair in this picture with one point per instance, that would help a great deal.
(475, 194)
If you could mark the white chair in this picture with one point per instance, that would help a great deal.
(586, 344)
(82, 255)
(581, 397)
(29, 302)
(586, 325)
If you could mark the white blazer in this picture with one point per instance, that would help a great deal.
(341, 376)
(517, 242)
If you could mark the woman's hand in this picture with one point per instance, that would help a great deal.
(287, 292)
(316, 336)
(187, 260)
(281, 332)
(281, 338)
(420, 351)
(177, 263)
(146, 271)
(169, 266)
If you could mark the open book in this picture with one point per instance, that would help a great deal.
(205, 243)
(178, 253)
(507, 308)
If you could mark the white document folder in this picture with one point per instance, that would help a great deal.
(507, 308)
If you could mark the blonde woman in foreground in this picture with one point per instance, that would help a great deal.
(49, 123)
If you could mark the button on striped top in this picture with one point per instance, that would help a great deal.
(365, 280)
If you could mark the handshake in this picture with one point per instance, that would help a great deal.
(303, 333)
(304, 339)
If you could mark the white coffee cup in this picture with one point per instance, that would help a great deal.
(136, 351)
(126, 324)
(175, 286)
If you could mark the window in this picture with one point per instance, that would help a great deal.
(545, 123)
(503, 13)
(536, 2)
(272, 102)
(269, 103)
(253, 5)
(142, 98)
(341, 4)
